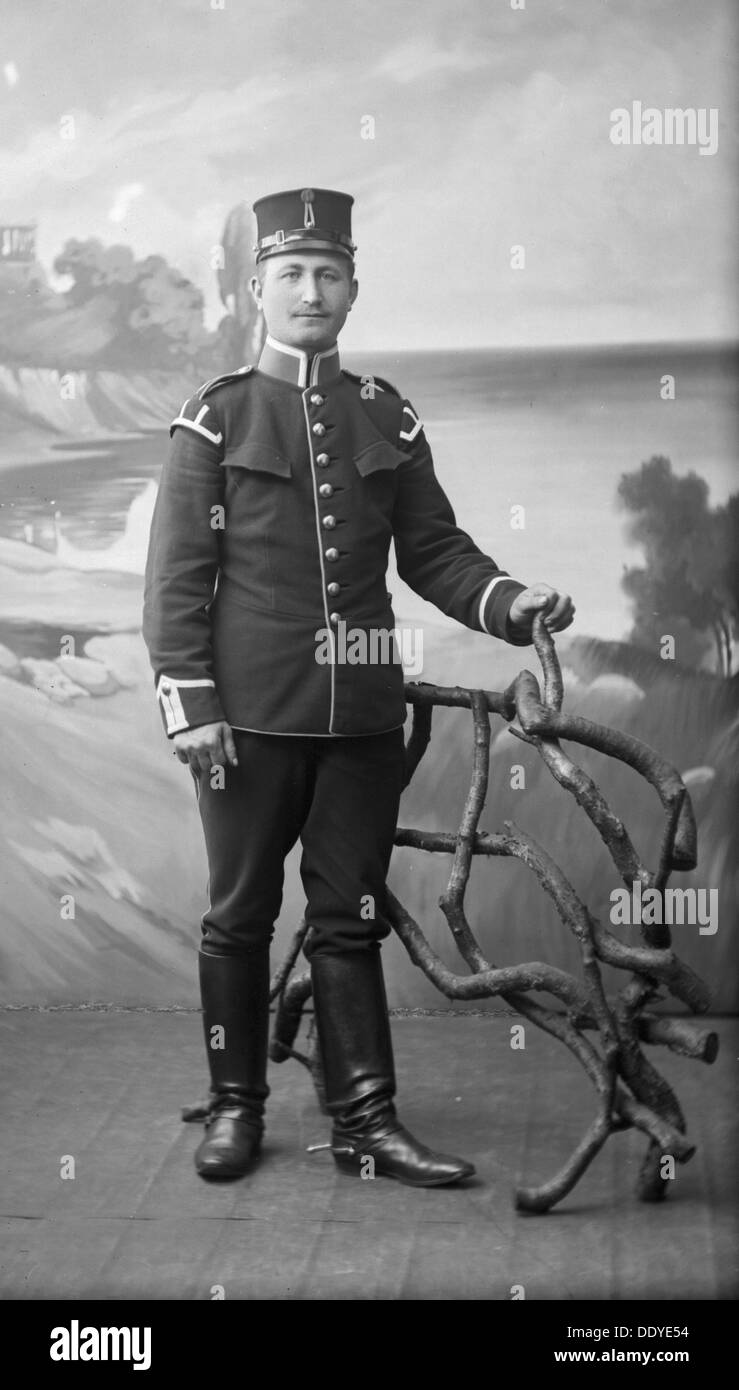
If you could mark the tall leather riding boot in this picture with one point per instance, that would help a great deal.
(235, 997)
(357, 1057)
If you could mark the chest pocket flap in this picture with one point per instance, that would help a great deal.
(259, 458)
(379, 455)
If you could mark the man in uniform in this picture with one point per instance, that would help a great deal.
(284, 486)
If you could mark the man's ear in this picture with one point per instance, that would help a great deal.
(354, 291)
(256, 290)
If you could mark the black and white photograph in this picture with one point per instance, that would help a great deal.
(369, 638)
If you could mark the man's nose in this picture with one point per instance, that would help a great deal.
(311, 291)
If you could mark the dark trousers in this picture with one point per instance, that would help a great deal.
(341, 797)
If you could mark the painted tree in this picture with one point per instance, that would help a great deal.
(233, 282)
(691, 571)
(155, 314)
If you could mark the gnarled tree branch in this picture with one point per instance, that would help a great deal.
(630, 1091)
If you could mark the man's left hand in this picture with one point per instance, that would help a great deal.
(557, 609)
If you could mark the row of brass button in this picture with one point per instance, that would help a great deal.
(326, 490)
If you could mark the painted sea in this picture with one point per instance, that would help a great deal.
(549, 431)
(553, 432)
(96, 806)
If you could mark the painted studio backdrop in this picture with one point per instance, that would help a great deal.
(546, 270)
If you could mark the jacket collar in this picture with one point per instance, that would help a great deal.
(297, 367)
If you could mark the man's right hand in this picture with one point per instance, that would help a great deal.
(206, 746)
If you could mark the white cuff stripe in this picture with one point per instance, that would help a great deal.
(170, 680)
(172, 704)
(484, 599)
(173, 712)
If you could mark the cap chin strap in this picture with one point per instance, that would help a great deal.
(280, 238)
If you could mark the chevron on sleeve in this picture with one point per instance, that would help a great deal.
(411, 423)
(198, 417)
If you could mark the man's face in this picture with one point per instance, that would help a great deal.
(306, 296)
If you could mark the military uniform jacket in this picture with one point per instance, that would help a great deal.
(283, 489)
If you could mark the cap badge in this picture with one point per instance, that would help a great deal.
(307, 196)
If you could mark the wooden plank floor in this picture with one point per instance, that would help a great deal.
(137, 1222)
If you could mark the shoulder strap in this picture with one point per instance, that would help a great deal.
(215, 381)
(379, 382)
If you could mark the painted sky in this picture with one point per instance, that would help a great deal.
(491, 130)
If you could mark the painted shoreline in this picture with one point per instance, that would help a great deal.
(33, 446)
(47, 414)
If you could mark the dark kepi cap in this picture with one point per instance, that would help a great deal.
(304, 219)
